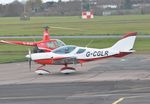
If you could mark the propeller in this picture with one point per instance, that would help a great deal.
(29, 59)
(52, 60)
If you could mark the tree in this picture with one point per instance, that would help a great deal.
(127, 4)
(34, 4)
(13, 9)
(85, 5)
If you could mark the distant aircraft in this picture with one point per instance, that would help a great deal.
(71, 54)
(45, 45)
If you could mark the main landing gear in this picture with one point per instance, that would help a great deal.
(64, 70)
(67, 70)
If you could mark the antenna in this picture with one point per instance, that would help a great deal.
(33, 38)
(89, 43)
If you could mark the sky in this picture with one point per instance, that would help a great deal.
(9, 1)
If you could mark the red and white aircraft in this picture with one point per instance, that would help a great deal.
(45, 45)
(71, 54)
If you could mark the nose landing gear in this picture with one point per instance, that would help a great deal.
(41, 71)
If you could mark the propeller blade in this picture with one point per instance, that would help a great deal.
(29, 60)
(52, 60)
(29, 64)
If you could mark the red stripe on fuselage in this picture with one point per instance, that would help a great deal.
(50, 61)
(121, 54)
(44, 61)
(92, 59)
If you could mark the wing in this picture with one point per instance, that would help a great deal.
(19, 43)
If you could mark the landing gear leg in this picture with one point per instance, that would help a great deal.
(41, 71)
(67, 70)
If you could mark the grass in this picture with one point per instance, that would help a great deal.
(16, 53)
(142, 45)
(12, 58)
(97, 26)
(100, 25)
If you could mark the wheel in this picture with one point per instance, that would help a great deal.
(42, 72)
(68, 70)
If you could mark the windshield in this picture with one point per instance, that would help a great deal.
(50, 44)
(64, 50)
(59, 43)
(55, 44)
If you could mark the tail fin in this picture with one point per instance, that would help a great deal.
(126, 43)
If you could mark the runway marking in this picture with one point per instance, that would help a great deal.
(118, 101)
(123, 98)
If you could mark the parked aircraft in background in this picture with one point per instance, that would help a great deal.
(45, 45)
(71, 54)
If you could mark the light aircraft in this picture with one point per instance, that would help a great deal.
(71, 54)
(45, 45)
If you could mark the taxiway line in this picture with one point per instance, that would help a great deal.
(118, 101)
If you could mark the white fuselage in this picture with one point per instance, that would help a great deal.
(70, 52)
(89, 53)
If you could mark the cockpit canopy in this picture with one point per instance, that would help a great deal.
(65, 49)
(55, 44)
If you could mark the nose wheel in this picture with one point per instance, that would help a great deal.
(41, 71)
